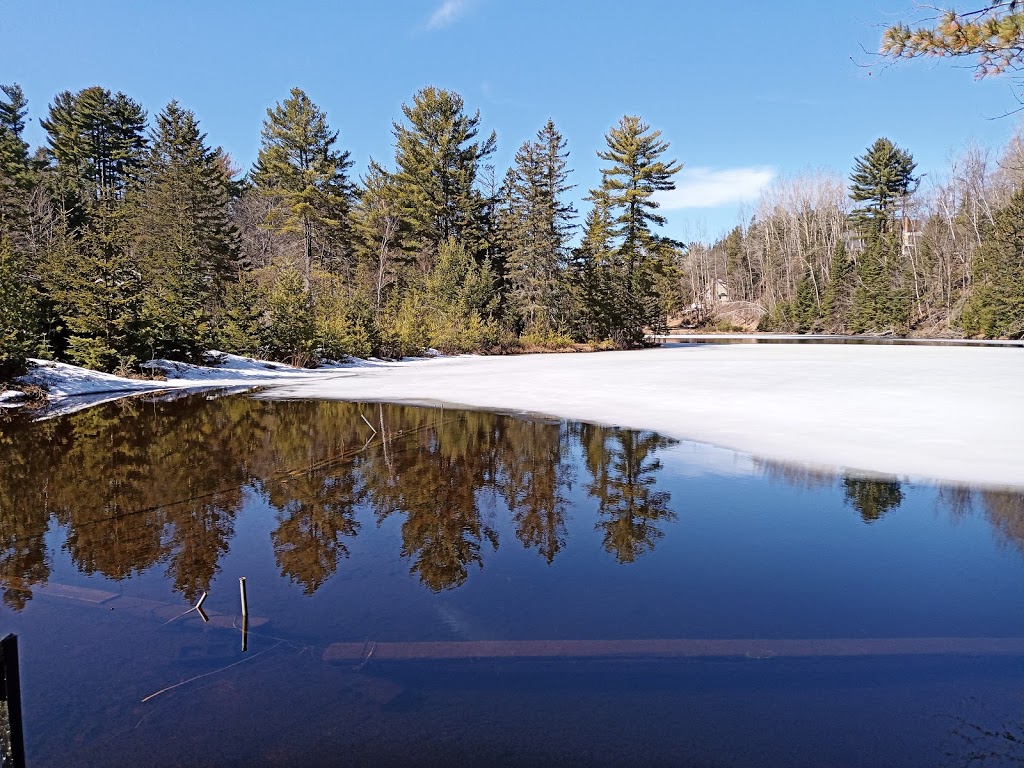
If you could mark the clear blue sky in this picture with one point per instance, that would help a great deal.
(743, 90)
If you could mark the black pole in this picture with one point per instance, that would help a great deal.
(10, 690)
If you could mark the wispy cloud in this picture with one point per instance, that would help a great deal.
(447, 13)
(710, 188)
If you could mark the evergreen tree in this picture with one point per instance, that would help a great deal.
(627, 191)
(880, 301)
(835, 302)
(183, 235)
(594, 271)
(97, 143)
(882, 179)
(995, 306)
(17, 322)
(291, 328)
(535, 228)
(299, 167)
(16, 177)
(438, 164)
(805, 309)
(242, 329)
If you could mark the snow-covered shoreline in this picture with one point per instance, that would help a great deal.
(70, 388)
(943, 414)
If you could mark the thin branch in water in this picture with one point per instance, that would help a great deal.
(207, 674)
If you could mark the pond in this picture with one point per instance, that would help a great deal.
(428, 586)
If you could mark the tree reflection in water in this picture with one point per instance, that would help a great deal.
(624, 472)
(139, 484)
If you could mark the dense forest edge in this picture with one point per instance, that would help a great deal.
(126, 239)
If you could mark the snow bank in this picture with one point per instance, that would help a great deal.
(950, 414)
(82, 387)
(10, 398)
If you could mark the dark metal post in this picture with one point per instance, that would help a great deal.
(12, 749)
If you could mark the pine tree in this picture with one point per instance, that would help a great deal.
(16, 177)
(993, 32)
(438, 164)
(242, 329)
(594, 271)
(17, 322)
(881, 303)
(805, 309)
(535, 227)
(182, 231)
(835, 302)
(300, 168)
(995, 306)
(97, 143)
(627, 190)
(291, 327)
(882, 179)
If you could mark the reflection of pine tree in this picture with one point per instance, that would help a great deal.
(199, 537)
(532, 485)
(434, 477)
(23, 562)
(316, 513)
(872, 498)
(624, 470)
(24, 519)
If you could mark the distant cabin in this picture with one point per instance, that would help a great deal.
(716, 293)
(911, 233)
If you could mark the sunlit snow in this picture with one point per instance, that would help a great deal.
(951, 414)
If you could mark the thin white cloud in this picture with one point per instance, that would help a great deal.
(710, 188)
(447, 13)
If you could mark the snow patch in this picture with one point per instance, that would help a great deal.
(11, 398)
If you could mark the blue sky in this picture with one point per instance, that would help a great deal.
(744, 91)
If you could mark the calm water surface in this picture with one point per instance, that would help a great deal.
(438, 587)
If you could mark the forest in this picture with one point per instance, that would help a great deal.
(129, 238)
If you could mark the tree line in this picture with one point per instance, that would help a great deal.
(880, 254)
(126, 239)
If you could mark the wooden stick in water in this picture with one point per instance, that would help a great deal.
(245, 601)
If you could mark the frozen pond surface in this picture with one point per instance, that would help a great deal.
(432, 586)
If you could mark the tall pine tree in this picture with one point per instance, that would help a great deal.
(438, 162)
(881, 182)
(16, 176)
(97, 143)
(536, 224)
(183, 234)
(636, 172)
(300, 168)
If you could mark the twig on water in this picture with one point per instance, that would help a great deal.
(198, 608)
(207, 674)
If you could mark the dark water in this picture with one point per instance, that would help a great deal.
(402, 565)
